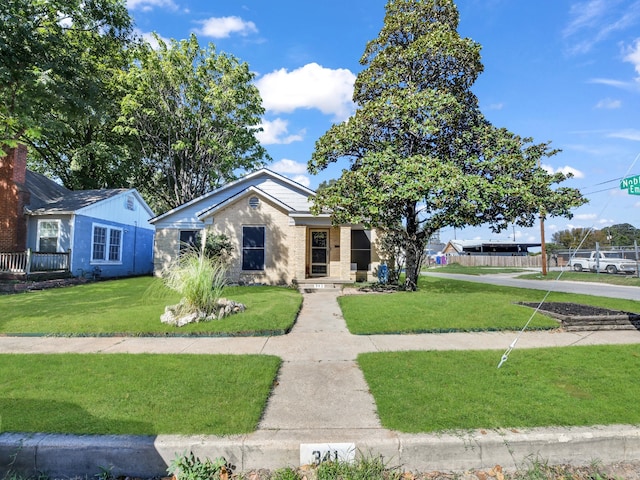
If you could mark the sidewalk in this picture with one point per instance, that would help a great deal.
(320, 397)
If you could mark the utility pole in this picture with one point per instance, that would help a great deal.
(542, 245)
(543, 248)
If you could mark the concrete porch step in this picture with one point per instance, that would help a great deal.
(321, 283)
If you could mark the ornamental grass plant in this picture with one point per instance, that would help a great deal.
(199, 280)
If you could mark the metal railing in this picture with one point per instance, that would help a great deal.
(34, 262)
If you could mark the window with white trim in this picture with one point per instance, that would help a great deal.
(48, 235)
(106, 244)
(253, 247)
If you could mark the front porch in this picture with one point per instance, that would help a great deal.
(27, 264)
(334, 256)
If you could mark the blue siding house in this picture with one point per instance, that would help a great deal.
(106, 232)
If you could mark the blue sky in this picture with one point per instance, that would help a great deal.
(561, 70)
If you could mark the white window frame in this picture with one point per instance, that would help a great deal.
(107, 245)
(40, 226)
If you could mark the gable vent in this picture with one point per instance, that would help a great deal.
(129, 203)
(254, 202)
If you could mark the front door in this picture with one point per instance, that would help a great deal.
(319, 252)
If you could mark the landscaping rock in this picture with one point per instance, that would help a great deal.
(176, 314)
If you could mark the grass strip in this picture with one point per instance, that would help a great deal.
(451, 390)
(133, 307)
(468, 270)
(142, 394)
(588, 277)
(447, 305)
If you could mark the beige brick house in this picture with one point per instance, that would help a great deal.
(276, 239)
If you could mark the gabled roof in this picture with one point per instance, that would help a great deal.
(244, 193)
(43, 190)
(49, 197)
(232, 184)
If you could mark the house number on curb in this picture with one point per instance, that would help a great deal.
(316, 453)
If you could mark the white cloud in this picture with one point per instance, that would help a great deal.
(627, 134)
(311, 86)
(592, 21)
(633, 56)
(614, 83)
(496, 106)
(302, 180)
(565, 170)
(586, 216)
(277, 132)
(289, 166)
(223, 27)
(292, 169)
(609, 104)
(148, 5)
(150, 38)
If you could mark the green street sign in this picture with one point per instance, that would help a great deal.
(631, 185)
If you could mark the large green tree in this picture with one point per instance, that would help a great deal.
(422, 156)
(195, 114)
(585, 238)
(58, 59)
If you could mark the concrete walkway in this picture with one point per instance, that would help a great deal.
(320, 398)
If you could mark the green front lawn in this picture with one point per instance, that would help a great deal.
(445, 390)
(133, 307)
(483, 270)
(134, 394)
(444, 305)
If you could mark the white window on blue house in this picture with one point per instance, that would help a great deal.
(253, 246)
(106, 244)
(48, 235)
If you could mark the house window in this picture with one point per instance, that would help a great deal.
(48, 235)
(253, 246)
(188, 240)
(106, 245)
(361, 248)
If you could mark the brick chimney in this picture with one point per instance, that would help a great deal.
(13, 198)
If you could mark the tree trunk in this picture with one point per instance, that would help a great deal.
(416, 240)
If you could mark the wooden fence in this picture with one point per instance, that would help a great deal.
(34, 262)
(497, 261)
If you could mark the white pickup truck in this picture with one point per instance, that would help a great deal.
(603, 261)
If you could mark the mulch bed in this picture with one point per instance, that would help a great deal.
(574, 309)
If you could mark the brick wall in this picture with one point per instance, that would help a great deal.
(13, 198)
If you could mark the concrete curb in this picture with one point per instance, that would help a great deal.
(148, 456)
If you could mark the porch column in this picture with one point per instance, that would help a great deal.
(345, 253)
(299, 252)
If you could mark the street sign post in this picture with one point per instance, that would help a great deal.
(631, 185)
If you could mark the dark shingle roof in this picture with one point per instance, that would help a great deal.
(48, 196)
